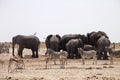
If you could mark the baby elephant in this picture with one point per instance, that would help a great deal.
(88, 54)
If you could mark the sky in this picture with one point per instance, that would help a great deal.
(61, 17)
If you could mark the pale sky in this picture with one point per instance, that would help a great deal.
(59, 17)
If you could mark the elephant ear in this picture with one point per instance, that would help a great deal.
(49, 37)
(58, 37)
(84, 39)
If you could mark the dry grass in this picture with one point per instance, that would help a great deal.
(74, 70)
(117, 45)
(42, 45)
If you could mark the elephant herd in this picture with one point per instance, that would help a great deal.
(98, 41)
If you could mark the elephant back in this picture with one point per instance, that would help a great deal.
(32, 38)
(103, 42)
(66, 38)
(93, 37)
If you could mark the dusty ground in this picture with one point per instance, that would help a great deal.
(74, 70)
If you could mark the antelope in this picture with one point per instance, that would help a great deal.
(19, 63)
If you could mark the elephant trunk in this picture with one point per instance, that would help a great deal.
(13, 46)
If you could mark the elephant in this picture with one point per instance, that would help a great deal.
(97, 40)
(52, 42)
(72, 46)
(103, 44)
(30, 42)
(68, 37)
(94, 36)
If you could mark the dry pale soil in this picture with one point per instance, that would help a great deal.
(74, 70)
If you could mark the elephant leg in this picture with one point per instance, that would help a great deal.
(105, 57)
(46, 51)
(71, 56)
(37, 54)
(99, 55)
(20, 52)
(77, 56)
(68, 55)
(33, 54)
